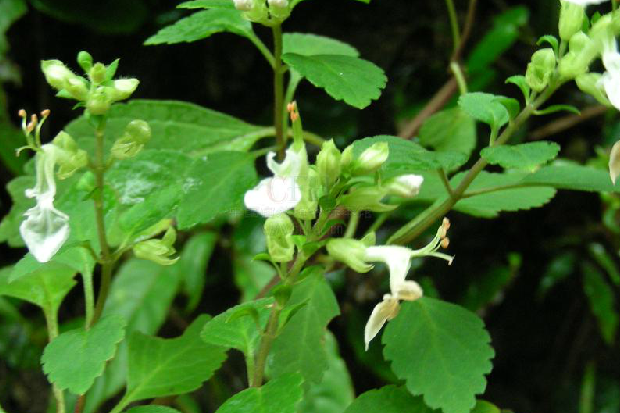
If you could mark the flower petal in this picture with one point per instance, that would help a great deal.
(383, 312)
(409, 291)
(290, 166)
(273, 196)
(397, 259)
(44, 230)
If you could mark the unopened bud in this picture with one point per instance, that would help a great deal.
(280, 4)
(328, 164)
(243, 5)
(310, 189)
(571, 19)
(591, 83)
(614, 162)
(279, 233)
(406, 186)
(582, 50)
(77, 88)
(56, 73)
(350, 251)
(366, 199)
(123, 89)
(85, 60)
(98, 102)
(70, 157)
(347, 157)
(372, 158)
(540, 69)
(97, 73)
(137, 134)
(158, 250)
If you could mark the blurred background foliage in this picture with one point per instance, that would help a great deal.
(546, 281)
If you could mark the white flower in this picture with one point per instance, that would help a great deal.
(398, 260)
(45, 228)
(243, 5)
(586, 2)
(406, 186)
(281, 192)
(611, 78)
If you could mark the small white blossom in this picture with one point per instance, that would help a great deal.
(406, 186)
(611, 78)
(281, 192)
(45, 228)
(243, 5)
(586, 2)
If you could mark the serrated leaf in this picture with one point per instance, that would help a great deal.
(201, 25)
(219, 184)
(74, 359)
(300, 345)
(355, 81)
(521, 83)
(239, 332)
(45, 287)
(449, 130)
(601, 299)
(442, 351)
(152, 409)
(488, 205)
(141, 293)
(335, 392)
(280, 395)
(407, 157)
(162, 367)
(207, 4)
(485, 108)
(175, 125)
(306, 44)
(388, 399)
(522, 156)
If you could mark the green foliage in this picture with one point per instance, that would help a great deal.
(388, 399)
(280, 395)
(300, 346)
(240, 327)
(10, 11)
(523, 156)
(571, 176)
(306, 44)
(407, 157)
(74, 359)
(9, 227)
(485, 108)
(602, 302)
(151, 409)
(355, 81)
(207, 4)
(201, 25)
(162, 367)
(449, 130)
(442, 351)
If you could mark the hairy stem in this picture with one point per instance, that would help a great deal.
(454, 24)
(278, 89)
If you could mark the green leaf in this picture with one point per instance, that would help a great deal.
(388, 399)
(449, 130)
(601, 299)
(141, 293)
(163, 367)
(521, 83)
(442, 351)
(192, 266)
(557, 108)
(45, 287)
(152, 409)
(10, 11)
(9, 227)
(485, 407)
(407, 157)
(355, 81)
(237, 328)
(552, 41)
(280, 395)
(300, 346)
(512, 106)
(306, 44)
(207, 4)
(571, 176)
(335, 392)
(176, 126)
(488, 205)
(499, 39)
(74, 359)
(201, 25)
(485, 108)
(523, 156)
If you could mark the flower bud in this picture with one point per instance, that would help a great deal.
(347, 157)
(85, 60)
(614, 162)
(350, 251)
(98, 102)
(406, 186)
(279, 9)
(328, 164)
(137, 134)
(243, 5)
(582, 50)
(571, 19)
(77, 88)
(56, 73)
(366, 199)
(123, 88)
(310, 194)
(372, 158)
(97, 73)
(540, 69)
(279, 233)
(591, 83)
(70, 157)
(158, 250)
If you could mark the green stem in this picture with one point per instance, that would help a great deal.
(264, 50)
(460, 78)
(588, 389)
(293, 82)
(89, 299)
(444, 180)
(418, 225)
(353, 222)
(51, 320)
(278, 89)
(454, 24)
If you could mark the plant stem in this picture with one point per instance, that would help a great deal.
(278, 89)
(460, 78)
(89, 299)
(51, 320)
(418, 225)
(454, 24)
(444, 180)
(264, 50)
(352, 226)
